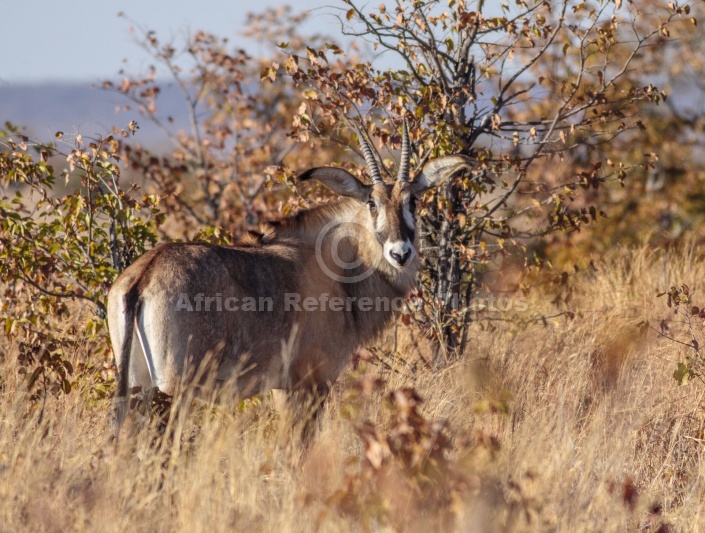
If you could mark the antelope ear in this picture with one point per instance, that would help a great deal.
(437, 171)
(339, 181)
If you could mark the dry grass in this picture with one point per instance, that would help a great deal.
(598, 437)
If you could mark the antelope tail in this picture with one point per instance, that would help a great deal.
(131, 308)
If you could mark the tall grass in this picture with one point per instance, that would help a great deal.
(562, 425)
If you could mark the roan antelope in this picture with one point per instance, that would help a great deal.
(287, 309)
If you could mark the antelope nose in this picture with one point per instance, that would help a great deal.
(402, 258)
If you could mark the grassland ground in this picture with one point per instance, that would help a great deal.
(544, 425)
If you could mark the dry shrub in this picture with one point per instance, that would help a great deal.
(571, 425)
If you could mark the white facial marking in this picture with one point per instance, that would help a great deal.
(408, 217)
(381, 221)
(402, 249)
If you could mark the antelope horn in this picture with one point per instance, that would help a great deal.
(405, 153)
(369, 158)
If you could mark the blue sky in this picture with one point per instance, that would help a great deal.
(85, 40)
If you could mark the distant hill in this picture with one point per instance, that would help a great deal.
(44, 109)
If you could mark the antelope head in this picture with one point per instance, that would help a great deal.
(388, 210)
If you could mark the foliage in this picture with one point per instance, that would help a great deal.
(415, 456)
(532, 90)
(61, 250)
(220, 172)
(688, 325)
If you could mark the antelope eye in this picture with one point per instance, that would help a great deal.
(371, 204)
